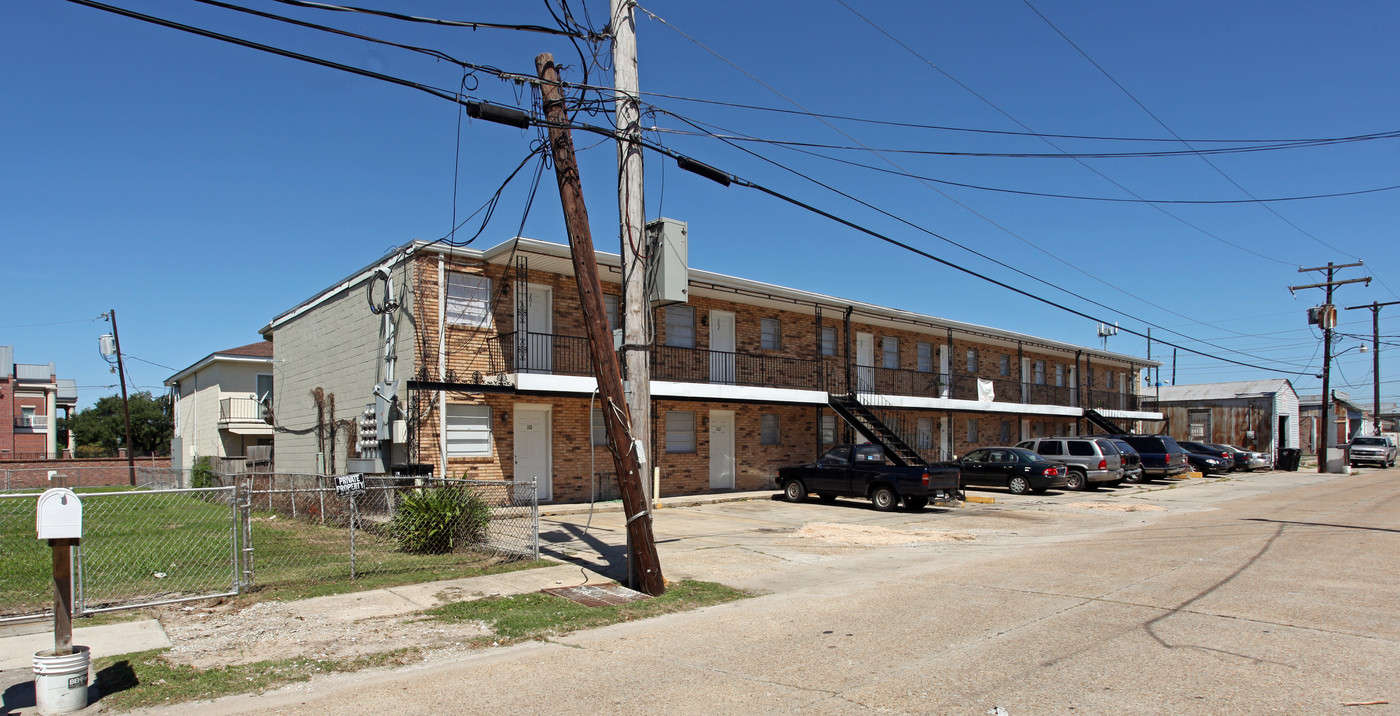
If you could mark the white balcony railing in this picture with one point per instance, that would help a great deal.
(240, 410)
(32, 422)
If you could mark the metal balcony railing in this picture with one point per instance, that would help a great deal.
(241, 410)
(569, 355)
(32, 422)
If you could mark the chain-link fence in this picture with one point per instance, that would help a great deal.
(291, 533)
(399, 525)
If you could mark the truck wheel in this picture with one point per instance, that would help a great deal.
(794, 491)
(884, 498)
(914, 504)
(1018, 485)
(1077, 481)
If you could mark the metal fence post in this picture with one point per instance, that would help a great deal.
(353, 514)
(233, 525)
(245, 505)
(535, 512)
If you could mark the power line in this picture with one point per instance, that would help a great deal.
(431, 20)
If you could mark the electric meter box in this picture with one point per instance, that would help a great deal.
(669, 261)
(59, 515)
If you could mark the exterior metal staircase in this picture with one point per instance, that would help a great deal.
(864, 421)
(1103, 423)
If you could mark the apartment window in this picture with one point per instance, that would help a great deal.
(972, 431)
(1060, 376)
(468, 301)
(1040, 372)
(923, 434)
(768, 430)
(468, 431)
(264, 389)
(771, 334)
(828, 341)
(1108, 380)
(889, 347)
(925, 357)
(26, 416)
(680, 431)
(598, 430)
(1005, 368)
(972, 360)
(1005, 436)
(680, 328)
(828, 429)
(610, 307)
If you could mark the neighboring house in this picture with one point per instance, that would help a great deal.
(31, 396)
(1347, 419)
(223, 405)
(1260, 415)
(493, 377)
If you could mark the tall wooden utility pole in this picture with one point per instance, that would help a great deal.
(636, 344)
(1327, 318)
(595, 319)
(1375, 356)
(126, 409)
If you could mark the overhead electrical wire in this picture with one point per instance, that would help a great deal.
(683, 161)
(431, 20)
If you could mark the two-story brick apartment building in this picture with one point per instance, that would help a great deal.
(488, 352)
(31, 396)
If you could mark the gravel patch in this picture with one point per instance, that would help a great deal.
(1116, 506)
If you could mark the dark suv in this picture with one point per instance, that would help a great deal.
(1161, 456)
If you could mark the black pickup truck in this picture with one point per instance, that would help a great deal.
(863, 471)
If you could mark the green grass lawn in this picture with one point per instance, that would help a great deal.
(145, 547)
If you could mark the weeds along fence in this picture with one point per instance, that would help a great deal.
(288, 533)
(399, 525)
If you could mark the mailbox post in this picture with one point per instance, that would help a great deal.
(59, 519)
(61, 675)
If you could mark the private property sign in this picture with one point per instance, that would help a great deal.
(350, 485)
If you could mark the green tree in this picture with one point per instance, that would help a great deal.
(152, 424)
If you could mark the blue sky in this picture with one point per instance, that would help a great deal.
(200, 188)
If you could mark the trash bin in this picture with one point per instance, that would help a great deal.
(1288, 459)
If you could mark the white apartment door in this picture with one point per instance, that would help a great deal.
(721, 450)
(722, 347)
(1025, 380)
(534, 341)
(865, 362)
(532, 448)
(945, 373)
(945, 438)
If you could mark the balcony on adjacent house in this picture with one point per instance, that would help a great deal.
(36, 423)
(554, 354)
(244, 416)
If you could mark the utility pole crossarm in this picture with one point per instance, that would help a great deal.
(1329, 284)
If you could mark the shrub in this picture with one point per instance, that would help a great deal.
(441, 520)
(202, 474)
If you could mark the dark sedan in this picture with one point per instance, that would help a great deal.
(1018, 469)
(1206, 458)
(1241, 457)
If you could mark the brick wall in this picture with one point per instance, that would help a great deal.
(76, 472)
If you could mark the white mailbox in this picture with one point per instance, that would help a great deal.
(59, 515)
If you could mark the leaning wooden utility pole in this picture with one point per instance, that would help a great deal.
(126, 406)
(595, 320)
(636, 344)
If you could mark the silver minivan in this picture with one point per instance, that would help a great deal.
(1092, 461)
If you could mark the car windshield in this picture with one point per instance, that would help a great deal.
(1379, 442)
(1024, 455)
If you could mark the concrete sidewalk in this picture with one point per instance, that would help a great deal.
(663, 503)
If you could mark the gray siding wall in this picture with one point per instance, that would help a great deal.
(337, 347)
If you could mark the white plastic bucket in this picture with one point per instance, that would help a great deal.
(61, 682)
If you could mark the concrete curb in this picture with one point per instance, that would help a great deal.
(663, 503)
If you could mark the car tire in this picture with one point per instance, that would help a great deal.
(914, 504)
(1018, 485)
(1077, 481)
(794, 491)
(884, 498)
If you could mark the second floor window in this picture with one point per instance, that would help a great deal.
(468, 301)
(610, 307)
(828, 341)
(1060, 376)
(1108, 380)
(972, 360)
(889, 348)
(925, 357)
(1040, 372)
(680, 326)
(771, 331)
(1005, 366)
